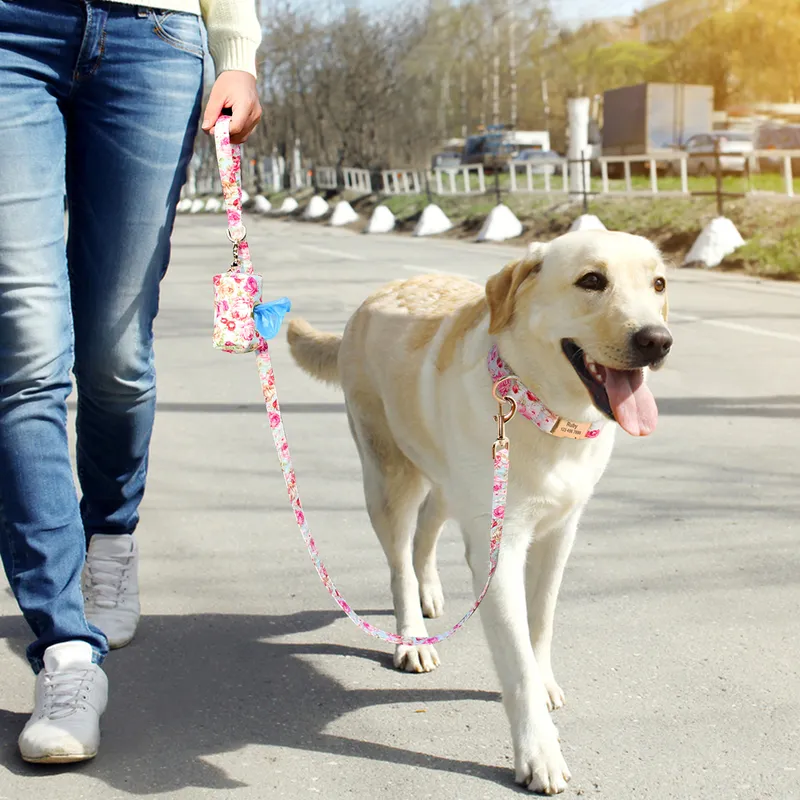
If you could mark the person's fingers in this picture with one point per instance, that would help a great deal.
(216, 102)
(239, 121)
(244, 133)
(246, 123)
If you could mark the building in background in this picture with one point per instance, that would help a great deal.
(669, 20)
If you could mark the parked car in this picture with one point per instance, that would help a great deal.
(778, 137)
(498, 145)
(447, 160)
(542, 161)
(734, 147)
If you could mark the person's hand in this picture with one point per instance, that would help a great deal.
(237, 91)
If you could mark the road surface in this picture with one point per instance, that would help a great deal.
(678, 630)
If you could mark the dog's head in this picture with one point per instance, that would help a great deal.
(584, 317)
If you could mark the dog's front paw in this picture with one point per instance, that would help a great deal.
(540, 766)
(421, 658)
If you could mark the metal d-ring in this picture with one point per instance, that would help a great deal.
(504, 399)
(237, 240)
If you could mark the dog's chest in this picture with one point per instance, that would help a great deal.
(559, 474)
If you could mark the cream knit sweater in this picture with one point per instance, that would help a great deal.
(234, 32)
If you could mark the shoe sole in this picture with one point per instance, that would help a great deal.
(59, 759)
(118, 645)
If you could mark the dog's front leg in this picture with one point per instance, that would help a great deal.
(545, 569)
(538, 761)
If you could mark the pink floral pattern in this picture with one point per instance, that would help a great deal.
(528, 404)
(499, 492)
(235, 296)
(237, 291)
(229, 161)
(234, 332)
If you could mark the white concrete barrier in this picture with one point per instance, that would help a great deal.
(343, 214)
(500, 225)
(381, 221)
(261, 205)
(432, 222)
(213, 205)
(289, 206)
(317, 208)
(716, 241)
(587, 222)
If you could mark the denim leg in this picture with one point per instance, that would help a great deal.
(41, 535)
(130, 136)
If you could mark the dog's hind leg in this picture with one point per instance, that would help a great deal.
(547, 559)
(394, 489)
(432, 516)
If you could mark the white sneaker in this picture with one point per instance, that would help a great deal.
(111, 587)
(71, 694)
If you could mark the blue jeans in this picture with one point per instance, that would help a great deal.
(100, 102)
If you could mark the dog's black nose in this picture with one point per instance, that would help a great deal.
(652, 342)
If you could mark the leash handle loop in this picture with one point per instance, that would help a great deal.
(229, 161)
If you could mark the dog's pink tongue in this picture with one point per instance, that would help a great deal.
(631, 401)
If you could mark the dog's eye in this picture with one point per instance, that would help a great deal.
(659, 285)
(592, 282)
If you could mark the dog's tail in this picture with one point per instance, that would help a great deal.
(315, 352)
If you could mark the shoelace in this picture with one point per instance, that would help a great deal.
(106, 577)
(64, 691)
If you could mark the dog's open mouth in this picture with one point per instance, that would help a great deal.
(622, 395)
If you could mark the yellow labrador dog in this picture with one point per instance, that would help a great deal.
(570, 330)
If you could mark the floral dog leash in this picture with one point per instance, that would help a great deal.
(267, 318)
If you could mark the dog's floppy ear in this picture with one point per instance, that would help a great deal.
(501, 289)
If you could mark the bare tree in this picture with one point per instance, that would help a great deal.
(511, 15)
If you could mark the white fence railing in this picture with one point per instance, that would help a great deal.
(684, 166)
(676, 163)
(783, 157)
(613, 176)
(357, 180)
(539, 176)
(402, 181)
(459, 180)
(326, 178)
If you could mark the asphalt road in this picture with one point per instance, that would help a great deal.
(678, 630)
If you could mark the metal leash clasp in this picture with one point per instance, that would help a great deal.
(502, 418)
(236, 238)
